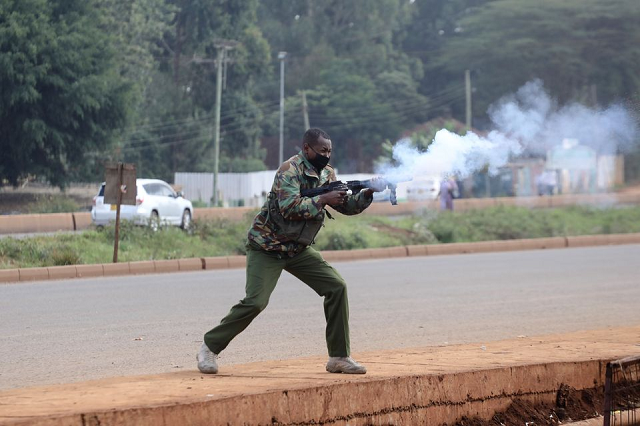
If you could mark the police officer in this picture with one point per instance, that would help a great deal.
(280, 239)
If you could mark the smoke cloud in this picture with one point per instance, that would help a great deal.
(527, 122)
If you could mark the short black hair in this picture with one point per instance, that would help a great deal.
(312, 135)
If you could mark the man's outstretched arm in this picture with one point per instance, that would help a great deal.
(357, 203)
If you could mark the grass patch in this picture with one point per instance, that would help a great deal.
(54, 204)
(507, 223)
(357, 232)
(223, 237)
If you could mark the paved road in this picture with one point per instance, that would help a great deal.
(55, 332)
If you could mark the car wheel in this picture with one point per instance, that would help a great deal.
(186, 220)
(154, 221)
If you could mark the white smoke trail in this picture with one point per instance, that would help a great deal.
(452, 153)
(533, 118)
(528, 121)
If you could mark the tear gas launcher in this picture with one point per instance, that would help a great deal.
(355, 186)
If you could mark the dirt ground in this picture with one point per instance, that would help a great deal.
(631, 188)
(571, 406)
(22, 200)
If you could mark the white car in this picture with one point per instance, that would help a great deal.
(156, 203)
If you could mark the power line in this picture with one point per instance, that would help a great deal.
(372, 119)
(227, 131)
(204, 118)
(374, 114)
(382, 108)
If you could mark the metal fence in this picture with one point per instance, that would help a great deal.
(622, 392)
(234, 189)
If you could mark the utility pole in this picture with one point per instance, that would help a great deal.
(216, 132)
(467, 84)
(281, 56)
(305, 112)
(222, 47)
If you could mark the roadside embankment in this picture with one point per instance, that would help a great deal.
(432, 385)
(31, 223)
(228, 262)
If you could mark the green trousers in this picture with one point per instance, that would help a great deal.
(263, 271)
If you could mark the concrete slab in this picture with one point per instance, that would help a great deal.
(237, 261)
(338, 255)
(87, 271)
(82, 220)
(195, 264)
(34, 274)
(115, 269)
(481, 247)
(397, 252)
(417, 250)
(380, 253)
(509, 245)
(62, 272)
(628, 198)
(9, 275)
(452, 248)
(377, 253)
(12, 224)
(215, 262)
(587, 240)
(51, 222)
(624, 239)
(167, 265)
(362, 254)
(227, 213)
(545, 243)
(462, 248)
(430, 385)
(142, 267)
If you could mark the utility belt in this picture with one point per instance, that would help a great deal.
(279, 254)
(301, 231)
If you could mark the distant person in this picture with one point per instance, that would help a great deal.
(546, 182)
(270, 250)
(448, 191)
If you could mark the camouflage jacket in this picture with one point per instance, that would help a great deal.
(294, 175)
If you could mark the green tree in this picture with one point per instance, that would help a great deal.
(579, 48)
(175, 132)
(61, 94)
(432, 24)
(360, 86)
(138, 27)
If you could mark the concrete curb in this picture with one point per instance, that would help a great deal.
(427, 400)
(230, 262)
(432, 385)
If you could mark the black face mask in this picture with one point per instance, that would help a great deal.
(320, 161)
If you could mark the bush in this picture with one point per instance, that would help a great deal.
(199, 204)
(340, 241)
(65, 255)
